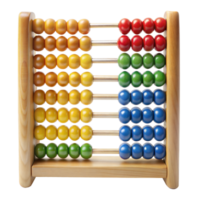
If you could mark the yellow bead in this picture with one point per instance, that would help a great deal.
(85, 43)
(86, 79)
(62, 97)
(86, 97)
(74, 115)
(86, 61)
(63, 115)
(39, 132)
(51, 132)
(72, 26)
(39, 115)
(50, 97)
(74, 61)
(63, 79)
(74, 133)
(51, 115)
(86, 133)
(74, 97)
(84, 26)
(74, 79)
(38, 26)
(63, 132)
(39, 97)
(86, 115)
(50, 26)
(50, 61)
(62, 61)
(61, 26)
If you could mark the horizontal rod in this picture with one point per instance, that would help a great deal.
(96, 25)
(100, 78)
(106, 133)
(105, 151)
(104, 42)
(104, 60)
(105, 115)
(105, 96)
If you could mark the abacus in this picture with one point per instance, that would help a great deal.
(159, 161)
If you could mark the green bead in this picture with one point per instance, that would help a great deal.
(148, 61)
(52, 150)
(124, 61)
(136, 79)
(86, 151)
(63, 150)
(40, 150)
(159, 78)
(124, 79)
(74, 150)
(136, 61)
(160, 61)
(148, 79)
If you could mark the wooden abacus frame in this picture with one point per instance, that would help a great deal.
(97, 166)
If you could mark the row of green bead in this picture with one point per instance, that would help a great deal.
(158, 78)
(136, 61)
(74, 150)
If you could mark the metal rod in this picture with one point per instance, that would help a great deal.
(104, 60)
(104, 42)
(106, 133)
(101, 78)
(105, 151)
(105, 115)
(105, 96)
(96, 25)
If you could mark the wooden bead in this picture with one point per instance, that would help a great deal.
(50, 97)
(86, 97)
(62, 97)
(38, 61)
(85, 43)
(73, 43)
(39, 97)
(86, 61)
(50, 61)
(39, 115)
(63, 79)
(50, 43)
(74, 133)
(39, 132)
(51, 115)
(74, 79)
(51, 132)
(61, 43)
(74, 115)
(39, 79)
(84, 26)
(74, 61)
(86, 115)
(72, 26)
(61, 26)
(38, 43)
(86, 133)
(63, 115)
(50, 26)
(63, 132)
(51, 79)
(62, 61)
(74, 97)
(86, 79)
(38, 26)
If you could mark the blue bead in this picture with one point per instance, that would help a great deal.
(147, 114)
(124, 115)
(147, 133)
(125, 151)
(159, 97)
(147, 97)
(136, 97)
(136, 115)
(125, 133)
(159, 133)
(137, 151)
(159, 115)
(148, 151)
(160, 151)
(124, 97)
(136, 133)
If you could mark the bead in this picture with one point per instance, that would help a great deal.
(137, 151)
(62, 61)
(147, 115)
(148, 79)
(51, 79)
(52, 150)
(148, 61)
(74, 61)
(61, 26)
(84, 26)
(74, 150)
(39, 79)
(125, 133)
(148, 151)
(51, 115)
(86, 151)
(136, 133)
(160, 151)
(63, 150)
(124, 61)
(86, 61)
(136, 61)
(160, 43)
(39, 115)
(62, 43)
(51, 132)
(74, 133)
(39, 132)
(40, 150)
(74, 97)
(159, 97)
(86, 133)
(50, 97)
(85, 43)
(63, 79)
(124, 79)
(124, 115)
(86, 97)
(50, 61)
(148, 133)
(63, 115)
(124, 97)
(159, 60)
(38, 61)
(50, 43)
(136, 97)
(136, 43)
(159, 133)
(159, 115)
(125, 151)
(63, 132)
(136, 115)
(62, 97)
(38, 43)
(86, 79)
(72, 26)
(50, 26)
(160, 25)
(73, 43)
(74, 115)
(159, 78)
(86, 115)
(74, 79)
(124, 43)
(38, 26)
(136, 79)
(39, 97)
(136, 26)
(147, 97)
(148, 42)
(148, 25)
(124, 26)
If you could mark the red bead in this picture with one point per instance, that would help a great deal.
(148, 25)
(124, 26)
(136, 26)
(160, 43)
(124, 43)
(160, 25)
(137, 43)
(148, 42)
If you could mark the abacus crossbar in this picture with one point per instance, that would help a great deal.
(97, 166)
